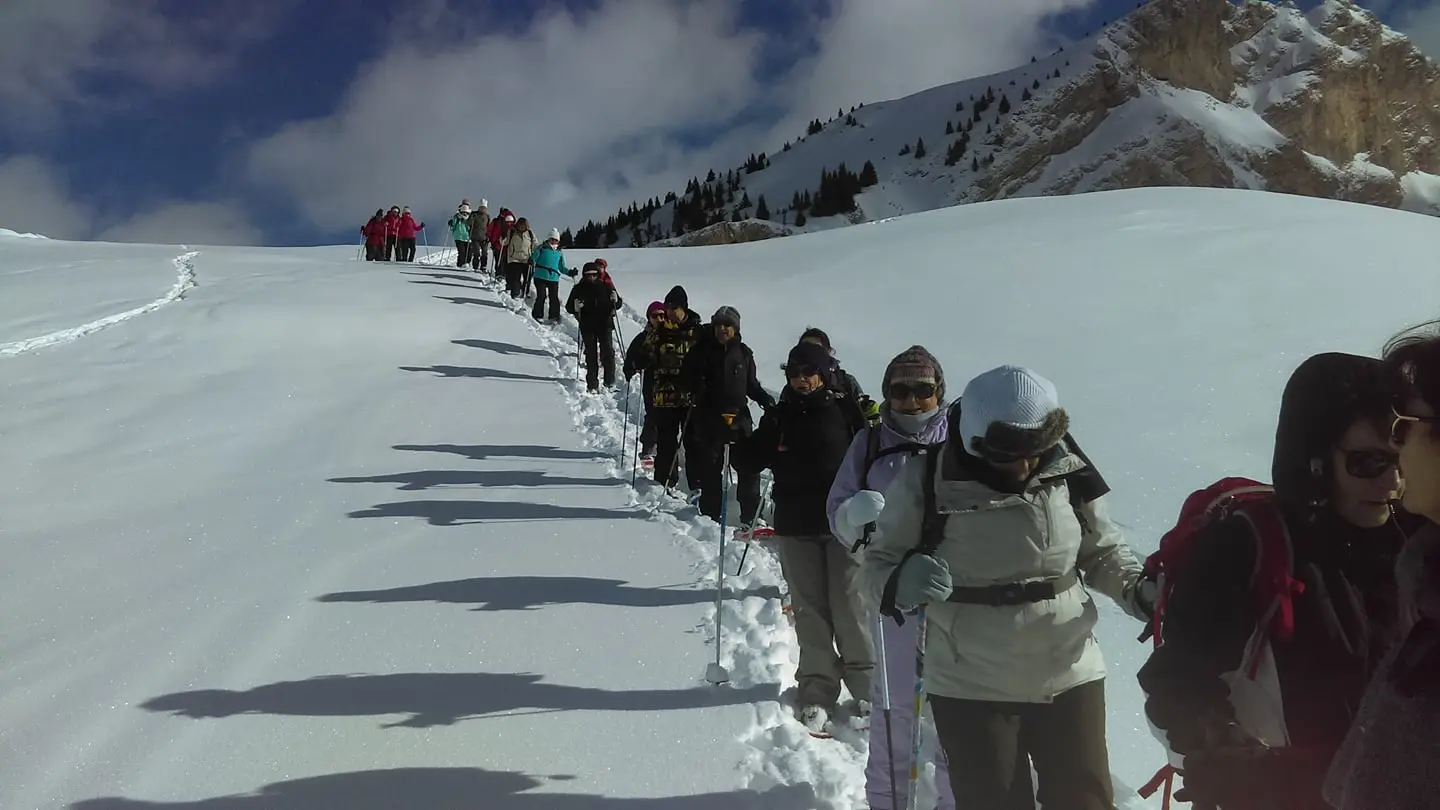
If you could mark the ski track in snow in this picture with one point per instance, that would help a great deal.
(184, 281)
(757, 644)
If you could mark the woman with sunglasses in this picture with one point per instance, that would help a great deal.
(636, 362)
(912, 418)
(1336, 479)
(1005, 563)
(803, 439)
(1389, 759)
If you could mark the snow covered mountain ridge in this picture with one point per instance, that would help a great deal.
(1253, 95)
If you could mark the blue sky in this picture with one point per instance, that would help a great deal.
(287, 121)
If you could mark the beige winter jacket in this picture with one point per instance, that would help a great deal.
(519, 245)
(1025, 653)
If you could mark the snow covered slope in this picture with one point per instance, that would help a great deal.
(324, 533)
(1327, 103)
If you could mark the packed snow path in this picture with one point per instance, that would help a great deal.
(322, 536)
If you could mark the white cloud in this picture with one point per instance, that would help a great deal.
(52, 51)
(1422, 24)
(188, 223)
(35, 197)
(564, 121)
(579, 115)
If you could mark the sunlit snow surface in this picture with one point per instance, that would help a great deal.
(322, 533)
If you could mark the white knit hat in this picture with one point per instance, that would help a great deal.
(484, 203)
(1011, 395)
(554, 234)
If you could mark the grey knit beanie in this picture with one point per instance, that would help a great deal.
(727, 315)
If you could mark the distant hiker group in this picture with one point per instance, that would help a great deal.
(390, 236)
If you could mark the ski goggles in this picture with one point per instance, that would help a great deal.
(1369, 463)
(900, 391)
(1401, 425)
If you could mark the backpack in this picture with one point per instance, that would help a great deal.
(874, 453)
(1273, 584)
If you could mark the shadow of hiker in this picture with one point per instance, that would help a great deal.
(454, 789)
(501, 348)
(464, 513)
(531, 593)
(448, 276)
(482, 452)
(460, 299)
(439, 698)
(470, 287)
(428, 479)
(480, 373)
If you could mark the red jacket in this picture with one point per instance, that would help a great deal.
(392, 225)
(374, 231)
(499, 229)
(408, 228)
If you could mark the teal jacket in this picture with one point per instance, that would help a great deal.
(550, 264)
(460, 228)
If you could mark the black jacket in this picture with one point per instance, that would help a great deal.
(721, 377)
(664, 354)
(804, 440)
(635, 362)
(594, 304)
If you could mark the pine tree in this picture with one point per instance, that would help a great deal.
(949, 128)
(868, 176)
(975, 163)
(1035, 85)
(1004, 105)
(919, 148)
(787, 147)
(611, 237)
(567, 239)
(762, 211)
(905, 150)
(796, 202)
(736, 216)
(1025, 96)
(745, 200)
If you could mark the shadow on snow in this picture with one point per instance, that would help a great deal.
(453, 789)
(439, 698)
(530, 593)
(502, 347)
(460, 299)
(460, 513)
(427, 479)
(482, 452)
(480, 373)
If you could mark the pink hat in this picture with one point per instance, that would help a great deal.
(655, 308)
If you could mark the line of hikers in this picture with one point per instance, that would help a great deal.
(1290, 621)
(390, 236)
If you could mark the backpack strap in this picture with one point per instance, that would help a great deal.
(1273, 582)
(873, 453)
(932, 533)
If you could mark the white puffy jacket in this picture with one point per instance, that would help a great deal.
(1026, 653)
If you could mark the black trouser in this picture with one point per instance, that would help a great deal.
(479, 255)
(986, 745)
(599, 341)
(705, 456)
(373, 252)
(462, 253)
(407, 249)
(670, 429)
(515, 278)
(496, 263)
(543, 290)
(647, 430)
(389, 248)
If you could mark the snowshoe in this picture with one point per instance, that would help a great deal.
(816, 721)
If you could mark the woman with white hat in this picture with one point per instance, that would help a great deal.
(549, 264)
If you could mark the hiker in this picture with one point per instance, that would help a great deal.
(499, 232)
(1253, 702)
(392, 231)
(407, 229)
(519, 246)
(912, 418)
(720, 371)
(548, 265)
(594, 304)
(460, 230)
(847, 381)
(635, 364)
(993, 534)
(666, 349)
(374, 231)
(479, 237)
(804, 439)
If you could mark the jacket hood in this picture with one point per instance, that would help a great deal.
(1324, 396)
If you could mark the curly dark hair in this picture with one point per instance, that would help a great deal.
(1415, 355)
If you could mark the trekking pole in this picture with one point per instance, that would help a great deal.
(715, 673)
(885, 708)
(915, 731)
(625, 427)
(426, 236)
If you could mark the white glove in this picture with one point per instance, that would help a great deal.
(858, 510)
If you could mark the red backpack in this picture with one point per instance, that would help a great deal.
(1273, 584)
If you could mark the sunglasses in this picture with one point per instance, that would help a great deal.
(902, 391)
(724, 325)
(1369, 463)
(800, 372)
(1400, 427)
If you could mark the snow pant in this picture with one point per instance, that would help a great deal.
(599, 349)
(987, 742)
(900, 642)
(515, 278)
(670, 428)
(819, 573)
(705, 456)
(479, 255)
(495, 263)
(462, 253)
(373, 252)
(407, 249)
(548, 290)
(389, 248)
(647, 431)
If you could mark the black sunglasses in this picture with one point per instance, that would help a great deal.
(1400, 427)
(1369, 464)
(796, 372)
(900, 391)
